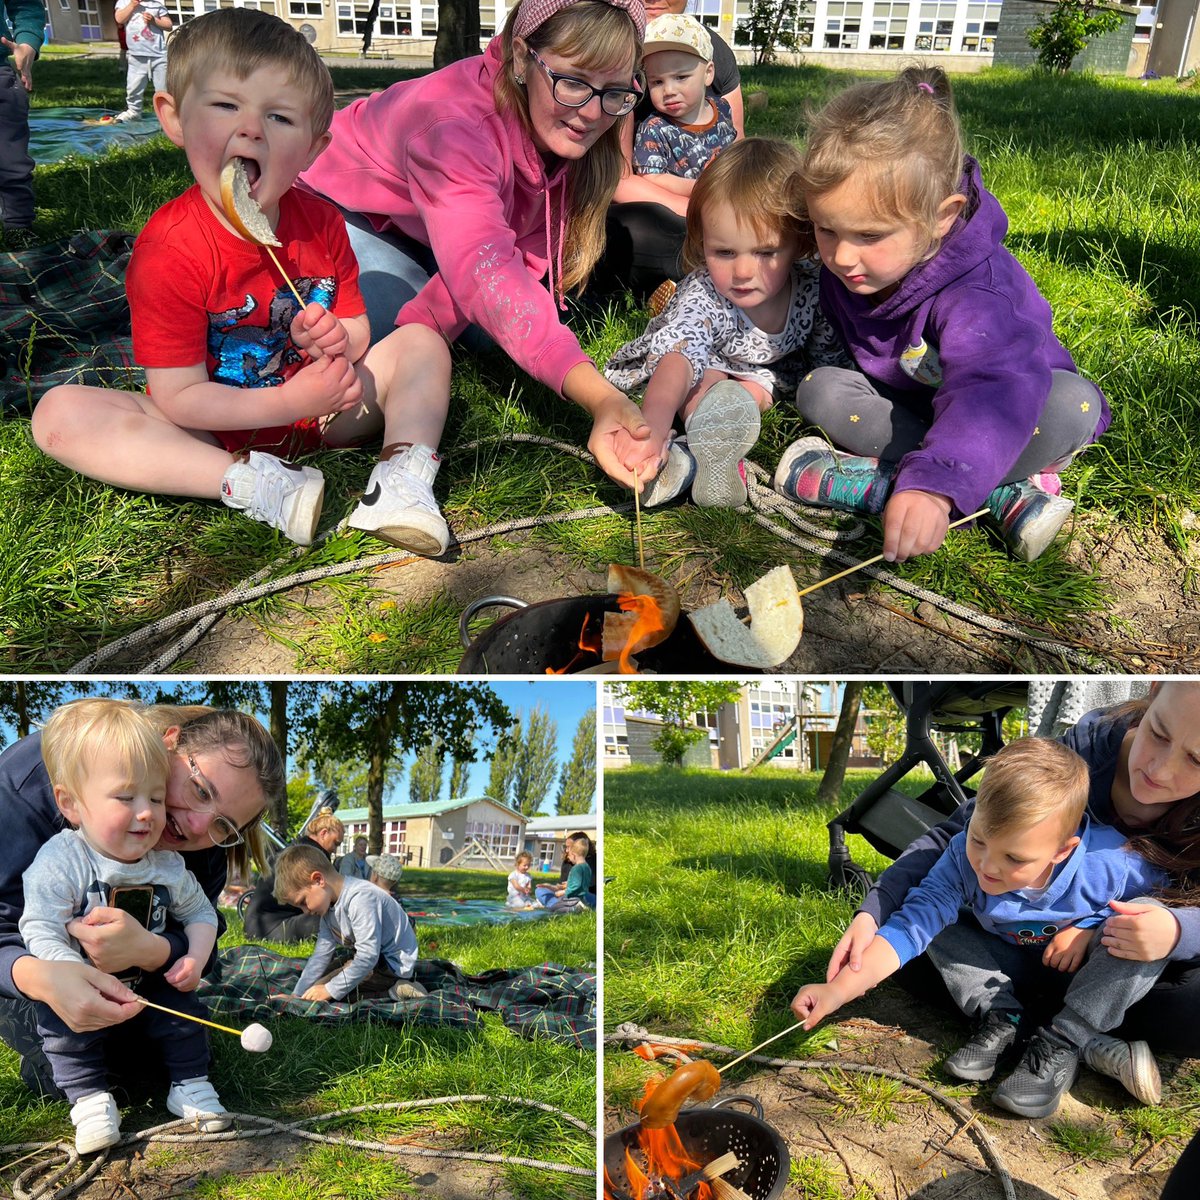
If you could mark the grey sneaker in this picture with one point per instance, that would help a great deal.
(398, 505)
(278, 493)
(674, 478)
(723, 428)
(977, 1059)
(1029, 518)
(1047, 1069)
(407, 989)
(1130, 1062)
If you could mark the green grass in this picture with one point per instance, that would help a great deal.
(324, 1068)
(1104, 211)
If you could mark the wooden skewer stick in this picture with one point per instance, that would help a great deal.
(237, 1033)
(286, 277)
(760, 1045)
(878, 558)
(637, 510)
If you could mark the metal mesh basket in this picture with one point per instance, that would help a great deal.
(707, 1133)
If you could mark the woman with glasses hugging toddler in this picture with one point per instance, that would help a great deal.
(222, 771)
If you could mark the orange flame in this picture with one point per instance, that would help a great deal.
(649, 621)
(664, 1157)
(587, 645)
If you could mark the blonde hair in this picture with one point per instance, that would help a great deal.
(294, 869)
(325, 821)
(903, 134)
(758, 178)
(242, 742)
(240, 41)
(581, 844)
(593, 35)
(523, 856)
(81, 731)
(1029, 780)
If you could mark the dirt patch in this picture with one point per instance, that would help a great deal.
(921, 1150)
(851, 626)
(163, 1170)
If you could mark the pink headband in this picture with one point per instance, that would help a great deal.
(534, 14)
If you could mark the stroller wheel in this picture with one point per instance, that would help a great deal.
(243, 903)
(851, 879)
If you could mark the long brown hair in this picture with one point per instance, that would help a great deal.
(1173, 841)
(593, 35)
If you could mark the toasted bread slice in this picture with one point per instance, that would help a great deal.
(241, 208)
(776, 623)
(630, 581)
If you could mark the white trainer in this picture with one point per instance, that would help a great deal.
(97, 1122)
(722, 429)
(398, 505)
(196, 1100)
(674, 477)
(280, 494)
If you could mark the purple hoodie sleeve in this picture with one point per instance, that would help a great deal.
(995, 382)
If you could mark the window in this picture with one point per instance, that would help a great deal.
(888, 25)
(500, 838)
(310, 9)
(844, 20)
(89, 21)
(395, 838)
(979, 36)
(935, 27)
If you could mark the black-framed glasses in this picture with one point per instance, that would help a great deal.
(575, 93)
(200, 798)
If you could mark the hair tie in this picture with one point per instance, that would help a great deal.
(925, 87)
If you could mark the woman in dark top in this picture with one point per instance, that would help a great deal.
(225, 772)
(646, 223)
(1144, 765)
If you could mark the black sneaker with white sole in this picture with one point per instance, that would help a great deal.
(1046, 1072)
(977, 1059)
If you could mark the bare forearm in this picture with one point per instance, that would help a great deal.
(209, 405)
(879, 961)
(666, 393)
(201, 940)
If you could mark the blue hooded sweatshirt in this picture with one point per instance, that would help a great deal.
(1098, 870)
(967, 343)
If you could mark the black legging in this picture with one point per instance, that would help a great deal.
(644, 246)
(1184, 1181)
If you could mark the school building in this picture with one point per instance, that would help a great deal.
(544, 837)
(862, 34)
(466, 831)
(782, 723)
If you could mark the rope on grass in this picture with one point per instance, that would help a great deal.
(763, 503)
(42, 1180)
(629, 1032)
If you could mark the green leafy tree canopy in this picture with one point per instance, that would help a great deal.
(1063, 35)
(675, 703)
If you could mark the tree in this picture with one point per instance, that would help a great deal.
(24, 704)
(675, 704)
(381, 722)
(577, 784)
(459, 776)
(535, 769)
(1063, 35)
(428, 773)
(772, 25)
(503, 767)
(839, 750)
(886, 732)
(457, 32)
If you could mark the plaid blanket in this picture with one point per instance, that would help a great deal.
(543, 1001)
(64, 318)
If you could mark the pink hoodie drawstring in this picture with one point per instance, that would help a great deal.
(562, 233)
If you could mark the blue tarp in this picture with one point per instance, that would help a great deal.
(56, 132)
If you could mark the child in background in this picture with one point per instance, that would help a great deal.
(690, 126)
(520, 882)
(964, 398)
(743, 324)
(1038, 875)
(108, 768)
(145, 24)
(238, 373)
(577, 891)
(353, 913)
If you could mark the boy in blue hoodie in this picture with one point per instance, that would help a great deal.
(1038, 875)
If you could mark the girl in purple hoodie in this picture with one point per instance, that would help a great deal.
(462, 191)
(964, 399)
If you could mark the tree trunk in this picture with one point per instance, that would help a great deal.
(380, 753)
(22, 705)
(279, 735)
(458, 32)
(839, 751)
(369, 30)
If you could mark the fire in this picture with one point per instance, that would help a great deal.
(648, 620)
(588, 644)
(664, 1163)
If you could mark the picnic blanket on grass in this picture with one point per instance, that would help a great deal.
(444, 910)
(64, 318)
(548, 1000)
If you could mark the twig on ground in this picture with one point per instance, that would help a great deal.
(844, 1160)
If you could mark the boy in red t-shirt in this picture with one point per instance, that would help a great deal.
(237, 372)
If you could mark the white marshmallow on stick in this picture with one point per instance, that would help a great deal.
(256, 1038)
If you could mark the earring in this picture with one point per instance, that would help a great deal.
(520, 81)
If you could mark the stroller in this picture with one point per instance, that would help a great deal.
(890, 819)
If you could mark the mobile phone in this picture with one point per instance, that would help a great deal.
(137, 900)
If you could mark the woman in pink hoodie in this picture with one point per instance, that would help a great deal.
(461, 190)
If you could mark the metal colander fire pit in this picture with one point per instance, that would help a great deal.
(707, 1132)
(545, 636)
